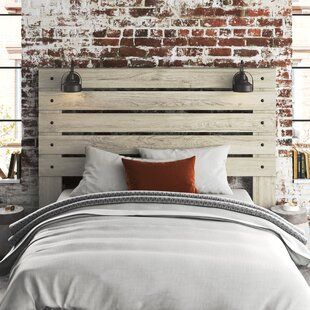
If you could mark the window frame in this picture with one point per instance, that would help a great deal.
(296, 67)
(18, 121)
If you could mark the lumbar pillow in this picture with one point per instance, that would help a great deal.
(210, 166)
(172, 176)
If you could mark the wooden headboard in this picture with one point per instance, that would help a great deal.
(122, 109)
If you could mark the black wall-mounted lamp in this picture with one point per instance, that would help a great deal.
(241, 82)
(71, 82)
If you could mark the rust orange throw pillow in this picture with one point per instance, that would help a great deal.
(174, 176)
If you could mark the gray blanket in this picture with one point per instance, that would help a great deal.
(147, 250)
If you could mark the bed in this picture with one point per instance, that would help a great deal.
(156, 249)
(152, 250)
(238, 194)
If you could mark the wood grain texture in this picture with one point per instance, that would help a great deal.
(49, 188)
(129, 144)
(50, 79)
(157, 100)
(156, 122)
(264, 188)
(54, 165)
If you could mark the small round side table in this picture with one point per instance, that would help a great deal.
(8, 217)
(298, 218)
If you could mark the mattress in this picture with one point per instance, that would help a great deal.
(238, 194)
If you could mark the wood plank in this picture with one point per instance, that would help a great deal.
(129, 144)
(53, 165)
(264, 191)
(157, 100)
(49, 189)
(156, 122)
(156, 78)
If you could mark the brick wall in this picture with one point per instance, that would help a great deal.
(149, 33)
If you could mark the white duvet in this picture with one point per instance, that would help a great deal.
(132, 256)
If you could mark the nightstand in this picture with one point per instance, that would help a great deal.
(8, 217)
(298, 218)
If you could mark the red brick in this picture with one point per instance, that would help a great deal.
(258, 42)
(100, 33)
(285, 122)
(254, 32)
(197, 32)
(109, 52)
(278, 32)
(285, 112)
(257, 12)
(239, 21)
(113, 33)
(169, 33)
(214, 22)
(231, 42)
(106, 42)
(174, 41)
(185, 22)
(211, 32)
(141, 32)
(285, 93)
(246, 53)
(270, 22)
(128, 33)
(219, 51)
(200, 12)
(127, 42)
(148, 42)
(131, 51)
(196, 41)
(183, 32)
(155, 33)
(159, 52)
(224, 32)
(190, 51)
(137, 12)
(281, 42)
(108, 12)
(240, 3)
(286, 132)
(285, 142)
(48, 33)
(268, 33)
(239, 32)
(151, 2)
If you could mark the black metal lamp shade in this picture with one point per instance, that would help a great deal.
(71, 82)
(241, 82)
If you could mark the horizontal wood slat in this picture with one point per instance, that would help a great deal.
(156, 78)
(55, 165)
(156, 122)
(154, 100)
(129, 144)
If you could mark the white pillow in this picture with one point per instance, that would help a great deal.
(210, 166)
(103, 172)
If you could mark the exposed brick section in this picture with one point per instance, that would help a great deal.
(148, 33)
